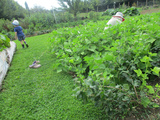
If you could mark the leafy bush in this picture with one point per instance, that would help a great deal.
(114, 67)
(131, 11)
(5, 25)
(94, 15)
(108, 12)
(128, 12)
(111, 12)
(4, 42)
(10, 35)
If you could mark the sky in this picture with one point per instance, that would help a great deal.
(47, 4)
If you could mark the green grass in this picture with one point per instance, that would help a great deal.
(40, 94)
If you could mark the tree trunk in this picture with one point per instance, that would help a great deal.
(87, 10)
(146, 2)
(97, 8)
(75, 14)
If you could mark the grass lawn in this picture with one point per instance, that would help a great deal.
(40, 94)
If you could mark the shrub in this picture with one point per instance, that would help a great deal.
(111, 12)
(4, 42)
(131, 11)
(93, 15)
(10, 35)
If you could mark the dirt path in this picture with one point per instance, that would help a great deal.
(150, 11)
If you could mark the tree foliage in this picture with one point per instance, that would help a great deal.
(10, 9)
(73, 6)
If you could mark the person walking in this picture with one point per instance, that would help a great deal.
(19, 33)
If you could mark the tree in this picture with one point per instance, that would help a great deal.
(96, 3)
(73, 6)
(26, 5)
(146, 2)
(1, 8)
(87, 6)
(99, 3)
(10, 9)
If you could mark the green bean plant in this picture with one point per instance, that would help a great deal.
(114, 68)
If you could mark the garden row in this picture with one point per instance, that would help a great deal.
(113, 68)
(44, 22)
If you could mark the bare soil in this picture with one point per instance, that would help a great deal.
(154, 10)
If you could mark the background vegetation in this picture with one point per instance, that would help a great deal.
(38, 20)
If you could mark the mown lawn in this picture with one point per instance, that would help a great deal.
(40, 94)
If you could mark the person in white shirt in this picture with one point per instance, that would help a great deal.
(116, 19)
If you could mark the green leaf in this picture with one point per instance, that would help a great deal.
(102, 66)
(151, 90)
(109, 57)
(145, 101)
(151, 40)
(157, 85)
(156, 105)
(71, 61)
(88, 81)
(156, 71)
(146, 59)
(139, 72)
(89, 92)
(152, 54)
(126, 86)
(127, 78)
(145, 76)
(93, 48)
(59, 70)
(136, 83)
(69, 50)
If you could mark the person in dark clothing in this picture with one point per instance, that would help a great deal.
(19, 33)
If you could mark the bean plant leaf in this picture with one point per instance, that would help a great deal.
(146, 59)
(145, 101)
(136, 83)
(156, 71)
(151, 90)
(71, 61)
(155, 105)
(59, 70)
(109, 57)
(126, 86)
(139, 72)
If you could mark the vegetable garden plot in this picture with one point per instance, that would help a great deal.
(112, 67)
